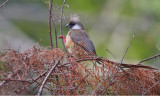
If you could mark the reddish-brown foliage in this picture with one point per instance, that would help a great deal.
(23, 74)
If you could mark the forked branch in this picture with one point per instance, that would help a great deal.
(47, 76)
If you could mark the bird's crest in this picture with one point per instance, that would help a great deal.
(74, 17)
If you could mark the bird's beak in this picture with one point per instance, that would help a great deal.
(67, 25)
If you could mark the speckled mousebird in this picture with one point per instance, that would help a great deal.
(77, 41)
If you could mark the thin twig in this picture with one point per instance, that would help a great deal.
(55, 31)
(111, 54)
(150, 88)
(123, 65)
(50, 17)
(129, 44)
(16, 80)
(4, 81)
(104, 91)
(9, 77)
(44, 81)
(54, 27)
(61, 23)
(94, 91)
(86, 59)
(4, 3)
(149, 58)
(35, 79)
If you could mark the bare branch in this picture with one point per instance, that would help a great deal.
(120, 63)
(111, 54)
(4, 3)
(150, 88)
(94, 91)
(4, 81)
(129, 44)
(50, 17)
(55, 31)
(61, 23)
(148, 59)
(9, 76)
(35, 79)
(52, 20)
(44, 81)
(16, 80)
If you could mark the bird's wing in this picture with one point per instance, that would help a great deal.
(80, 37)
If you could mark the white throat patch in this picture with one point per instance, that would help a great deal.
(76, 27)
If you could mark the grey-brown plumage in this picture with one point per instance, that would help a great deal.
(80, 37)
(77, 37)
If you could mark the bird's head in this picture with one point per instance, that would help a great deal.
(74, 23)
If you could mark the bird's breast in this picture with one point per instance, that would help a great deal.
(69, 43)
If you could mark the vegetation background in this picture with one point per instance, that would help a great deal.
(109, 23)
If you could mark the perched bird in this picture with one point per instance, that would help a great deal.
(77, 41)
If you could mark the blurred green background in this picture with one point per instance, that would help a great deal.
(109, 23)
